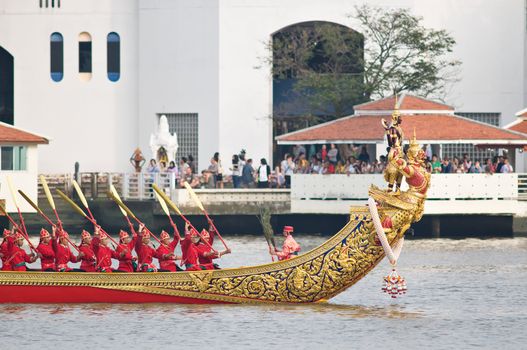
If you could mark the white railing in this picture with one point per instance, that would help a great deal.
(443, 186)
(448, 194)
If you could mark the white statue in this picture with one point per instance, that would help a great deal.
(163, 144)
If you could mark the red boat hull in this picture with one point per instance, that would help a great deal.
(61, 295)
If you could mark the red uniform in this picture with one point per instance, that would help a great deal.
(19, 258)
(190, 254)
(289, 249)
(124, 251)
(4, 249)
(47, 261)
(104, 258)
(162, 250)
(145, 254)
(63, 256)
(89, 260)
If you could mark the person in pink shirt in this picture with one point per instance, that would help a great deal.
(290, 247)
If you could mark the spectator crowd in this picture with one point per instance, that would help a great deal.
(242, 172)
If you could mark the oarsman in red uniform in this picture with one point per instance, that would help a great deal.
(145, 253)
(87, 255)
(290, 247)
(63, 254)
(18, 256)
(46, 252)
(205, 253)
(4, 250)
(104, 253)
(197, 255)
(124, 250)
(165, 253)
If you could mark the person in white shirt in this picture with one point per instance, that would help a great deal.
(507, 167)
(263, 174)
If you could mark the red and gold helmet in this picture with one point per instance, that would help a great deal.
(123, 235)
(6, 232)
(44, 233)
(164, 235)
(85, 235)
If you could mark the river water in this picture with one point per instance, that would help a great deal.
(462, 294)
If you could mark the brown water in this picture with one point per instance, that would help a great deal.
(462, 294)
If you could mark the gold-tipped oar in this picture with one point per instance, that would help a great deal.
(82, 213)
(125, 214)
(25, 196)
(52, 204)
(202, 208)
(167, 212)
(176, 209)
(23, 231)
(129, 212)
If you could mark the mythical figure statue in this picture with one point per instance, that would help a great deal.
(137, 160)
(394, 136)
(163, 144)
(418, 179)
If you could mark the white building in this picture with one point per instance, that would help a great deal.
(194, 60)
(18, 164)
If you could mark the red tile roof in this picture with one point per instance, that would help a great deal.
(429, 127)
(406, 102)
(10, 134)
(520, 127)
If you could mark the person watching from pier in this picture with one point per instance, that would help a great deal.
(46, 252)
(145, 253)
(127, 262)
(87, 255)
(248, 174)
(506, 168)
(165, 253)
(192, 180)
(263, 173)
(152, 167)
(290, 248)
(436, 164)
(18, 256)
(63, 254)
(8, 238)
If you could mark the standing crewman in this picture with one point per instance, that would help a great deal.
(290, 247)
(18, 256)
(165, 253)
(46, 252)
(87, 253)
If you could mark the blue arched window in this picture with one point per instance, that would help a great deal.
(56, 56)
(85, 66)
(113, 58)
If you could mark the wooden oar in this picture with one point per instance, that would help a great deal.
(36, 208)
(176, 209)
(52, 204)
(82, 213)
(202, 208)
(125, 214)
(20, 217)
(129, 212)
(167, 212)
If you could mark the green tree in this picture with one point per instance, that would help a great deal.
(334, 67)
(403, 55)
